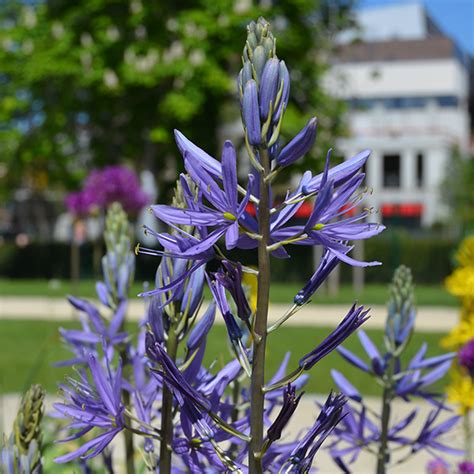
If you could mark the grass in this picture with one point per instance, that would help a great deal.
(280, 292)
(29, 348)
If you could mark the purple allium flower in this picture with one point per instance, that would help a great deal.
(466, 467)
(93, 404)
(103, 187)
(117, 184)
(80, 203)
(466, 357)
(437, 466)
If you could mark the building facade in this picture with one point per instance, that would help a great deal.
(407, 88)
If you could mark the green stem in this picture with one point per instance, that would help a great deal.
(260, 328)
(128, 435)
(387, 396)
(469, 448)
(167, 410)
(235, 413)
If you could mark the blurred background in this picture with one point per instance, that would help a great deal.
(91, 90)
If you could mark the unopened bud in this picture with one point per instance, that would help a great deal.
(268, 87)
(250, 113)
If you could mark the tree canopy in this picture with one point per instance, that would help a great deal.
(96, 82)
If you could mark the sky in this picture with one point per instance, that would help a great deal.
(454, 17)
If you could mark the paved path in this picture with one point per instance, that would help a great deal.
(430, 318)
(306, 412)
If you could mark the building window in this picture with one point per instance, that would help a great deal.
(391, 171)
(419, 170)
(447, 101)
(397, 103)
(413, 102)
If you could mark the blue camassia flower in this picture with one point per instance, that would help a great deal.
(226, 211)
(95, 404)
(215, 210)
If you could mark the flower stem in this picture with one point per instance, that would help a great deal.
(387, 396)
(167, 410)
(260, 328)
(235, 413)
(127, 435)
(468, 433)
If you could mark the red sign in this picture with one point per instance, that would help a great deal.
(405, 210)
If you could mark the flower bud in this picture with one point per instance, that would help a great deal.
(245, 75)
(290, 403)
(268, 87)
(250, 113)
(259, 60)
(283, 102)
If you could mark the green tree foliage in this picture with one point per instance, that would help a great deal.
(92, 82)
(458, 190)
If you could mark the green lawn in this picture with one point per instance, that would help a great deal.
(280, 293)
(29, 348)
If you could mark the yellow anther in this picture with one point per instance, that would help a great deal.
(319, 226)
(229, 216)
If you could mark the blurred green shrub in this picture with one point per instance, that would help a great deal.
(95, 82)
(430, 259)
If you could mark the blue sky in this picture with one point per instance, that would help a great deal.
(455, 17)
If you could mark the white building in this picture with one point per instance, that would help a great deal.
(407, 85)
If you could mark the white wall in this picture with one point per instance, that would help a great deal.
(452, 124)
(399, 79)
(436, 152)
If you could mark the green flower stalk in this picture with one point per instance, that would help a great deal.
(27, 428)
(22, 450)
(364, 429)
(401, 311)
(398, 329)
(118, 264)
